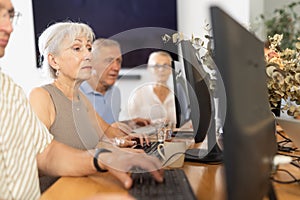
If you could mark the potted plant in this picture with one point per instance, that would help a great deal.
(284, 21)
(283, 71)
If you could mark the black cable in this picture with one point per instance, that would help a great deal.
(295, 164)
(283, 136)
(295, 180)
(286, 149)
(166, 161)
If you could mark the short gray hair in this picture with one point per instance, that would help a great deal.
(99, 43)
(52, 37)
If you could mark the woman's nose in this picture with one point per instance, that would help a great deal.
(88, 56)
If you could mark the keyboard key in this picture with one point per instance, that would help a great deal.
(175, 186)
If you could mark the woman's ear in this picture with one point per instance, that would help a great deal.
(52, 61)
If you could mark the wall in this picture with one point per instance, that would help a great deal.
(193, 15)
(19, 59)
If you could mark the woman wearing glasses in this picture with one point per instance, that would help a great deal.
(155, 100)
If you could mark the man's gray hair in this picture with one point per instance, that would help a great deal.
(99, 43)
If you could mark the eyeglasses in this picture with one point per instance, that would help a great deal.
(157, 66)
(10, 15)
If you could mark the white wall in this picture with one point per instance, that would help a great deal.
(193, 15)
(19, 60)
(273, 4)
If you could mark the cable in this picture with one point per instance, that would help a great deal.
(295, 164)
(283, 136)
(281, 159)
(295, 180)
(286, 149)
(166, 161)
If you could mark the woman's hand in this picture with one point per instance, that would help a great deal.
(125, 139)
(121, 161)
(130, 140)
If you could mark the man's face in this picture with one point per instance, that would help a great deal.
(6, 12)
(108, 65)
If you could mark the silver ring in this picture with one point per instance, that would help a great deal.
(119, 141)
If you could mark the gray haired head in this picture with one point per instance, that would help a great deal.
(51, 39)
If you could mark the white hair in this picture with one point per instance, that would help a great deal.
(51, 39)
(152, 56)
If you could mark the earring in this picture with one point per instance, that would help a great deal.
(57, 73)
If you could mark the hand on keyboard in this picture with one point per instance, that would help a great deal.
(175, 186)
(121, 161)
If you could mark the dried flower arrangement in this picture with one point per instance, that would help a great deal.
(283, 70)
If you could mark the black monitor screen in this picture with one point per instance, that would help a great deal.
(111, 17)
(249, 128)
(197, 90)
(200, 108)
(182, 102)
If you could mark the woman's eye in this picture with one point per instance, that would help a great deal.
(89, 49)
(76, 48)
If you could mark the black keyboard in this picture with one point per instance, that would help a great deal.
(149, 149)
(175, 186)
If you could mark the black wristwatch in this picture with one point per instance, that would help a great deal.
(97, 152)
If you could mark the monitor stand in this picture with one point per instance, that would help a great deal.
(200, 155)
(271, 194)
(212, 155)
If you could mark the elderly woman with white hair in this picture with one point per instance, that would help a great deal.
(155, 100)
(65, 50)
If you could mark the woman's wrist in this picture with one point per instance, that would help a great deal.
(106, 129)
(98, 165)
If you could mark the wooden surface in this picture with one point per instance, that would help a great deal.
(207, 181)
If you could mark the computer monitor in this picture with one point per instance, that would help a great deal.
(201, 107)
(182, 102)
(249, 128)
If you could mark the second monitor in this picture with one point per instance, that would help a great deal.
(191, 76)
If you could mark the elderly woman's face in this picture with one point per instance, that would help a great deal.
(74, 59)
(161, 68)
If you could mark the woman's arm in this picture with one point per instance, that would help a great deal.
(43, 106)
(61, 160)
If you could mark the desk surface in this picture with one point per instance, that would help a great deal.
(207, 182)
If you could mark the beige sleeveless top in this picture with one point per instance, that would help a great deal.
(71, 126)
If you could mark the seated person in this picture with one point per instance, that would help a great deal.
(100, 88)
(66, 112)
(155, 100)
(27, 147)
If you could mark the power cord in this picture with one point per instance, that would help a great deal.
(295, 180)
(281, 144)
(166, 161)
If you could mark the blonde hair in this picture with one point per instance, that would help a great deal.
(51, 39)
